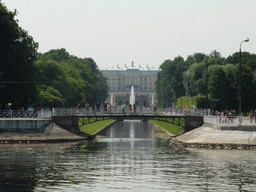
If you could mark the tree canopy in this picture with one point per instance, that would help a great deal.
(51, 79)
(75, 80)
(222, 77)
(17, 55)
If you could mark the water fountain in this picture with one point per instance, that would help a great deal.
(132, 97)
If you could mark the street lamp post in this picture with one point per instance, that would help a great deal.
(206, 77)
(240, 74)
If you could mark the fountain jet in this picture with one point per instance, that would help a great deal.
(132, 97)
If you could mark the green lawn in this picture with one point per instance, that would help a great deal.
(94, 126)
(171, 128)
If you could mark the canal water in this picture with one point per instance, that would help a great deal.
(127, 157)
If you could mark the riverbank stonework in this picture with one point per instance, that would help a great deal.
(208, 137)
(24, 125)
(161, 132)
(53, 133)
(92, 136)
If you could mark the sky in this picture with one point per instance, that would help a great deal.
(147, 32)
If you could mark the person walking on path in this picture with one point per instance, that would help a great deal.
(251, 116)
(254, 116)
(219, 117)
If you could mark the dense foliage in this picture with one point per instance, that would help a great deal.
(199, 101)
(17, 55)
(68, 80)
(169, 80)
(52, 79)
(188, 78)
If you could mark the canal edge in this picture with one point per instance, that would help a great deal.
(93, 135)
(158, 128)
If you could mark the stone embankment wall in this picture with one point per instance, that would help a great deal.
(213, 145)
(209, 137)
(24, 125)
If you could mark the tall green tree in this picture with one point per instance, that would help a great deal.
(17, 55)
(194, 79)
(199, 57)
(76, 80)
(246, 58)
(55, 55)
(215, 54)
(218, 86)
(169, 84)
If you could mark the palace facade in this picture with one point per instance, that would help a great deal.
(120, 82)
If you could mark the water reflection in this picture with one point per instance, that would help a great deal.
(126, 158)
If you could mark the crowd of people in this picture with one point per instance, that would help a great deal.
(10, 111)
(108, 108)
(95, 108)
(11, 107)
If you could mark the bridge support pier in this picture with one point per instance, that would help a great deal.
(144, 119)
(193, 122)
(66, 122)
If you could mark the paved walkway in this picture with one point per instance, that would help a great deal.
(206, 135)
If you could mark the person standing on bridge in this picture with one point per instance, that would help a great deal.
(134, 108)
(78, 108)
(251, 116)
(123, 108)
(87, 108)
(130, 108)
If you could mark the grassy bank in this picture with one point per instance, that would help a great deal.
(94, 126)
(171, 128)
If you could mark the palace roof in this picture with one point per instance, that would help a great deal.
(132, 70)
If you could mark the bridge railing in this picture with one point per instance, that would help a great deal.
(189, 112)
(113, 110)
(41, 114)
(103, 111)
(125, 111)
(230, 121)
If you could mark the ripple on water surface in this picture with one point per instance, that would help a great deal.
(126, 158)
